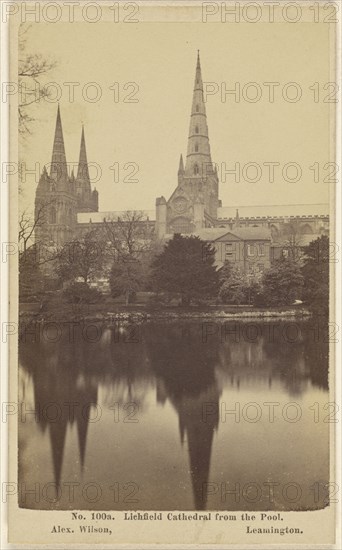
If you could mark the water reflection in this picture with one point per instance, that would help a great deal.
(179, 376)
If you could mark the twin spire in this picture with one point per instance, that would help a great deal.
(198, 157)
(59, 167)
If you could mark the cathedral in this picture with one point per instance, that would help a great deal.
(63, 196)
(193, 208)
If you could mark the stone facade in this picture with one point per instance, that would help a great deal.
(250, 237)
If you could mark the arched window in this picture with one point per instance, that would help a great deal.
(306, 229)
(197, 108)
(196, 169)
(274, 231)
(53, 215)
(181, 225)
(196, 129)
(196, 147)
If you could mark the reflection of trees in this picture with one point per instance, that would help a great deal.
(299, 362)
(316, 351)
(274, 357)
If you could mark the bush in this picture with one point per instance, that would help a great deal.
(232, 292)
(80, 293)
(260, 300)
(282, 283)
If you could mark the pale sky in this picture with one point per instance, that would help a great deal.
(160, 58)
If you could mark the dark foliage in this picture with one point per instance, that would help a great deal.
(186, 266)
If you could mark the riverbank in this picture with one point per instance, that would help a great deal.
(142, 313)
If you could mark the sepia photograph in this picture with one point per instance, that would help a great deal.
(172, 273)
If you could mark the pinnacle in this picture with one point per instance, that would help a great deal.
(58, 161)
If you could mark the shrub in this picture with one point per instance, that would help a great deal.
(80, 293)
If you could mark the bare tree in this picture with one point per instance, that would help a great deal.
(81, 258)
(294, 243)
(31, 68)
(27, 228)
(28, 225)
(128, 236)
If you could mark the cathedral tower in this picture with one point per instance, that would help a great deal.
(194, 203)
(198, 158)
(59, 197)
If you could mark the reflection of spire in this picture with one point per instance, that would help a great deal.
(190, 383)
(181, 430)
(57, 437)
(199, 423)
(161, 391)
(87, 398)
(58, 378)
(82, 430)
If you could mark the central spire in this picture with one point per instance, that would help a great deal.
(198, 158)
(58, 161)
(82, 171)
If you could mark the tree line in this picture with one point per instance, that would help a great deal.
(126, 253)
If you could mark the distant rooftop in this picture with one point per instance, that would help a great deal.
(244, 233)
(226, 212)
(99, 217)
(275, 210)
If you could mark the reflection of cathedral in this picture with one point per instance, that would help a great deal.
(63, 397)
(194, 206)
(185, 372)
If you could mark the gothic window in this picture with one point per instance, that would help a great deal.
(53, 215)
(196, 147)
(181, 225)
(196, 129)
(196, 170)
(274, 232)
(306, 229)
(289, 229)
(197, 108)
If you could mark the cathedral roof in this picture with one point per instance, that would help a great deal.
(98, 217)
(272, 211)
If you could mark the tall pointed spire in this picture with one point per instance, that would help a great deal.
(181, 166)
(58, 161)
(82, 171)
(198, 159)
